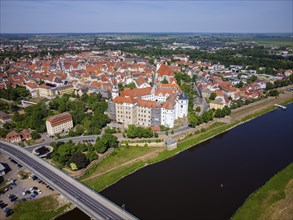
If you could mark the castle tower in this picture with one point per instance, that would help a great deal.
(182, 105)
(115, 91)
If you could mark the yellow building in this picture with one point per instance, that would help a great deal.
(217, 104)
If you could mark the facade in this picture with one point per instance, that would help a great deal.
(58, 123)
(125, 108)
(217, 104)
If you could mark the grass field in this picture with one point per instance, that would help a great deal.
(42, 209)
(116, 158)
(101, 182)
(274, 200)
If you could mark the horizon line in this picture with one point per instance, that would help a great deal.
(149, 32)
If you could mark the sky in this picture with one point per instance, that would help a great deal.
(72, 16)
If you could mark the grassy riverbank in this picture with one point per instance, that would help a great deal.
(274, 200)
(108, 178)
(42, 209)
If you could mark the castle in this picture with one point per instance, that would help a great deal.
(160, 104)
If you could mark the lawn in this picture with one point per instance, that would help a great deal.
(272, 199)
(101, 182)
(117, 157)
(42, 209)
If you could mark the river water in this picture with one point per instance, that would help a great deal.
(211, 180)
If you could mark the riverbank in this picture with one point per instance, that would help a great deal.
(250, 112)
(274, 200)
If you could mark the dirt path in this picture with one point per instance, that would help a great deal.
(141, 158)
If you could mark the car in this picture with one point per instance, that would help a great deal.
(3, 205)
(11, 196)
(35, 188)
(27, 192)
(23, 199)
(7, 209)
(36, 193)
(13, 199)
(33, 196)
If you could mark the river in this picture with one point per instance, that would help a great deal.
(211, 180)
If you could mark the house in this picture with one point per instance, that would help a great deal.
(26, 135)
(217, 104)
(13, 137)
(59, 123)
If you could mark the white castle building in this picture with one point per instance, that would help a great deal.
(159, 105)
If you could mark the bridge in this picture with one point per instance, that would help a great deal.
(280, 106)
(89, 201)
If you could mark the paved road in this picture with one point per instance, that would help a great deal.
(92, 203)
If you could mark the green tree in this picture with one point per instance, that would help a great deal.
(274, 93)
(79, 159)
(269, 86)
(35, 135)
(130, 85)
(213, 96)
(92, 156)
(164, 81)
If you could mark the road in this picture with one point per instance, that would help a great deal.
(92, 203)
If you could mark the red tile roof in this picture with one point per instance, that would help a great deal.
(165, 70)
(59, 119)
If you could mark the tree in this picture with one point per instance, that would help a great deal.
(164, 81)
(3, 132)
(240, 84)
(207, 116)
(92, 156)
(193, 120)
(73, 166)
(213, 96)
(269, 86)
(131, 85)
(79, 159)
(35, 135)
(274, 93)
(100, 146)
(167, 133)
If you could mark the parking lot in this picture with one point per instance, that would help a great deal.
(15, 189)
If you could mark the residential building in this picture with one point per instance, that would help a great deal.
(13, 137)
(59, 123)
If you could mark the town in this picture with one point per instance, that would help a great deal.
(76, 103)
